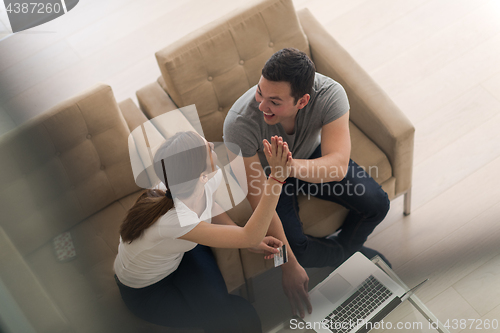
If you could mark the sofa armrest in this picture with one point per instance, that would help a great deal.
(154, 101)
(133, 116)
(42, 314)
(371, 108)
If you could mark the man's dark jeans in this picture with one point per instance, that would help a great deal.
(368, 204)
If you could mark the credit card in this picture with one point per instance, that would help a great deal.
(281, 257)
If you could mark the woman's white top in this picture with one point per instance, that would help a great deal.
(158, 252)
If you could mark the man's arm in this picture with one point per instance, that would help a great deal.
(294, 277)
(335, 151)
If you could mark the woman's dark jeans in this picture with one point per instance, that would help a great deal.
(194, 295)
(368, 204)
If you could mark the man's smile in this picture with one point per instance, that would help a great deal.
(268, 115)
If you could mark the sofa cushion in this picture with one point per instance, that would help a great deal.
(215, 65)
(62, 167)
(84, 288)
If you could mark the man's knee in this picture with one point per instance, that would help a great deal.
(372, 202)
(379, 205)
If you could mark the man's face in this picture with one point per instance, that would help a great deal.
(275, 101)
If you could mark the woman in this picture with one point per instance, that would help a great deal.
(164, 277)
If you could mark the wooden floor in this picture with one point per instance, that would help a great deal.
(439, 60)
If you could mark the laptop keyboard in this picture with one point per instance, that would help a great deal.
(359, 305)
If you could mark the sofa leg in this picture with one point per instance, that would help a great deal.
(407, 203)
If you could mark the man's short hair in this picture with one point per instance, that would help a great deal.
(292, 66)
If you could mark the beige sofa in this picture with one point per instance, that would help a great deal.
(213, 66)
(69, 169)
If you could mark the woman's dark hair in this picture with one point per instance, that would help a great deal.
(292, 66)
(178, 163)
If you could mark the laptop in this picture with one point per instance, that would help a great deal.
(354, 297)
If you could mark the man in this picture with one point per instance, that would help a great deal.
(311, 112)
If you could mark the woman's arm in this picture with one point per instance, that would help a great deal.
(233, 236)
(252, 234)
(269, 246)
(220, 216)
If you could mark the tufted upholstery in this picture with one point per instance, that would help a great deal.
(62, 167)
(214, 66)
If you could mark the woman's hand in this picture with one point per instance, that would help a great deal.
(269, 246)
(279, 157)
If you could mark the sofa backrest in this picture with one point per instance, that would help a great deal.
(213, 66)
(63, 166)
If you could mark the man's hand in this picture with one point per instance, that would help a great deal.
(295, 279)
(269, 246)
(295, 285)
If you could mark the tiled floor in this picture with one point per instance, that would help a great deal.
(437, 59)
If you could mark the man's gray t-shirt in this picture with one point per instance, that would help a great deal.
(245, 126)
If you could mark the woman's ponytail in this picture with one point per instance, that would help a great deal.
(150, 205)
